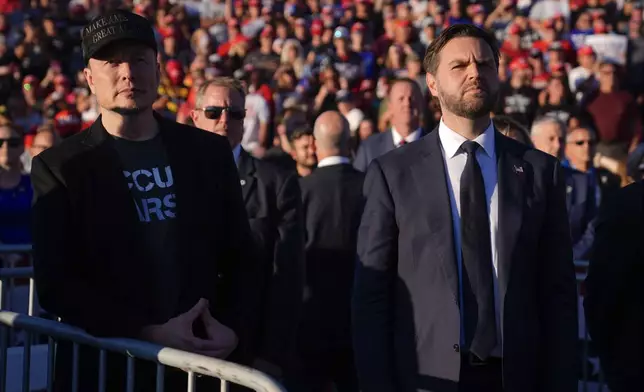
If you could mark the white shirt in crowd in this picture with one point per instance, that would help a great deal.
(354, 118)
(257, 113)
(333, 160)
(455, 160)
(412, 137)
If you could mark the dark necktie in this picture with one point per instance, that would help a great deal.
(477, 283)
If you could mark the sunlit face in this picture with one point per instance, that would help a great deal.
(580, 145)
(466, 80)
(42, 141)
(405, 103)
(12, 147)
(304, 151)
(226, 125)
(124, 77)
(548, 139)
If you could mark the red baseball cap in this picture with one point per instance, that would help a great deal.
(254, 3)
(317, 27)
(357, 27)
(267, 32)
(239, 3)
(403, 23)
(586, 51)
(519, 64)
(556, 67)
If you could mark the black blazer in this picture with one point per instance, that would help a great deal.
(274, 207)
(405, 308)
(89, 268)
(375, 146)
(614, 297)
(333, 203)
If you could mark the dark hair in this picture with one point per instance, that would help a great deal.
(302, 130)
(430, 62)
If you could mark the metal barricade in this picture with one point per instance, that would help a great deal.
(193, 364)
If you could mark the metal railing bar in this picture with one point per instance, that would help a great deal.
(30, 310)
(224, 386)
(213, 367)
(160, 377)
(191, 381)
(26, 363)
(131, 373)
(75, 368)
(16, 272)
(102, 359)
(51, 363)
(4, 345)
(15, 248)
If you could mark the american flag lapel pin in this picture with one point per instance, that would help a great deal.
(518, 169)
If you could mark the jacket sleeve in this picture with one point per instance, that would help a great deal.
(361, 160)
(286, 284)
(375, 276)
(241, 286)
(60, 268)
(558, 293)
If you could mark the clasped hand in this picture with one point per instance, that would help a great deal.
(178, 333)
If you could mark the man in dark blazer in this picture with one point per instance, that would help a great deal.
(333, 203)
(274, 207)
(614, 297)
(465, 280)
(139, 225)
(404, 110)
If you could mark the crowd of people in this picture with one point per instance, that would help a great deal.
(311, 95)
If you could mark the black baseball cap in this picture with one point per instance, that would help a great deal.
(115, 26)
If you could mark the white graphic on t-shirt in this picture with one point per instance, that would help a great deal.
(153, 208)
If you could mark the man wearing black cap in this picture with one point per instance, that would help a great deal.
(139, 225)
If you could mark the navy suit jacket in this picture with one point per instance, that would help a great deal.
(406, 321)
(373, 147)
(581, 204)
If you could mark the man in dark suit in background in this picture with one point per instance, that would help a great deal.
(273, 203)
(465, 279)
(614, 297)
(582, 193)
(404, 108)
(139, 225)
(332, 199)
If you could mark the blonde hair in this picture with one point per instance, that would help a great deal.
(298, 64)
(220, 81)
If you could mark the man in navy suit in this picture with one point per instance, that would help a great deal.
(582, 196)
(465, 280)
(405, 101)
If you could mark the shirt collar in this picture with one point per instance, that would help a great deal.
(412, 137)
(333, 160)
(452, 141)
(236, 152)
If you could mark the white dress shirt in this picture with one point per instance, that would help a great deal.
(412, 137)
(455, 160)
(333, 160)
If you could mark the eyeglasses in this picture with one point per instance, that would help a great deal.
(215, 112)
(582, 142)
(11, 142)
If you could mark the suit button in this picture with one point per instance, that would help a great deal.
(456, 348)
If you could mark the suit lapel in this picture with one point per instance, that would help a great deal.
(431, 180)
(106, 173)
(512, 173)
(246, 168)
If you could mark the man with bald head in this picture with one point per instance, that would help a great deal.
(404, 108)
(332, 203)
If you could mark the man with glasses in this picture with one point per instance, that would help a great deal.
(273, 203)
(139, 226)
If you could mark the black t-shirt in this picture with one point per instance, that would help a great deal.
(562, 112)
(269, 62)
(149, 177)
(520, 104)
